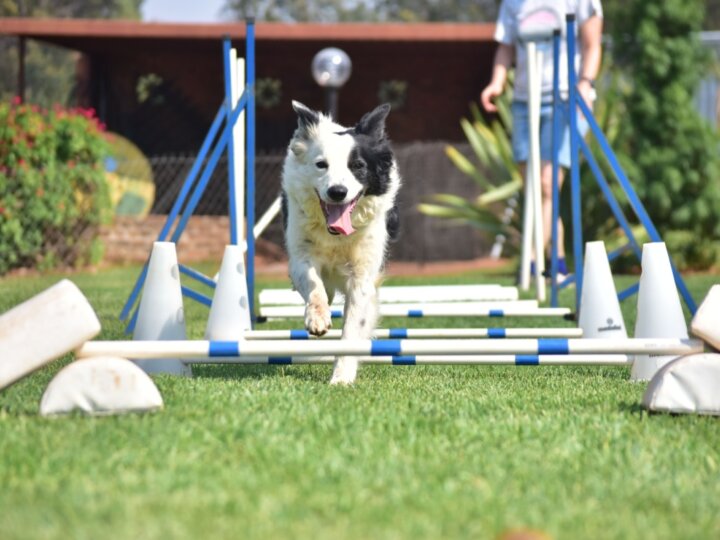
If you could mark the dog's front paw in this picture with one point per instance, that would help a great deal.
(344, 371)
(317, 319)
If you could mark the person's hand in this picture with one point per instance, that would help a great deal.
(489, 94)
(587, 92)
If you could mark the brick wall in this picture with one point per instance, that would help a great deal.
(130, 240)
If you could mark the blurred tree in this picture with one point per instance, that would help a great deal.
(50, 71)
(674, 166)
(364, 10)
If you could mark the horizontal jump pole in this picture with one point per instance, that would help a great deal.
(475, 309)
(407, 293)
(425, 333)
(388, 347)
(429, 359)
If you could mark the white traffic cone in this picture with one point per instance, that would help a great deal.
(600, 314)
(161, 316)
(659, 313)
(230, 310)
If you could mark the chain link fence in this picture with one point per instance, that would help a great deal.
(425, 169)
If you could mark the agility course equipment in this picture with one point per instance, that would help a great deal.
(99, 386)
(160, 313)
(577, 144)
(706, 322)
(43, 328)
(656, 316)
(389, 294)
(432, 310)
(224, 127)
(190, 350)
(230, 309)
(424, 333)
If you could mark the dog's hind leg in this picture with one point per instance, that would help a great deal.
(361, 313)
(309, 284)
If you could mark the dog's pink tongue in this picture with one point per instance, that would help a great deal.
(338, 218)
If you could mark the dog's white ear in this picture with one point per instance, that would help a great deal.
(372, 124)
(306, 116)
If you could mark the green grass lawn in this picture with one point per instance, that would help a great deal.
(409, 452)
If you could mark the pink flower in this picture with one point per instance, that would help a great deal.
(17, 100)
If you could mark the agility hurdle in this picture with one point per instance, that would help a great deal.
(189, 350)
(432, 310)
(425, 333)
(406, 293)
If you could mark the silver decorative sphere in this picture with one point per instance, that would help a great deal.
(331, 67)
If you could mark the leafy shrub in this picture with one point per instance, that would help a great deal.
(674, 164)
(53, 194)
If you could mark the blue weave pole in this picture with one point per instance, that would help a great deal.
(250, 163)
(634, 200)
(574, 160)
(555, 171)
(177, 206)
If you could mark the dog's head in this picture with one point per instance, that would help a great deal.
(340, 164)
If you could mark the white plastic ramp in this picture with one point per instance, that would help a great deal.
(44, 328)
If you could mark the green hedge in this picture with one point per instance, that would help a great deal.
(52, 182)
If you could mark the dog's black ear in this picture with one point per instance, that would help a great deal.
(372, 124)
(306, 117)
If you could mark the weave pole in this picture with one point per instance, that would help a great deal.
(425, 333)
(188, 350)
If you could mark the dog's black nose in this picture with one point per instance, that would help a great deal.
(337, 193)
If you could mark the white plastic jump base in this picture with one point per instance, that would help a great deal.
(425, 333)
(406, 293)
(195, 350)
(476, 309)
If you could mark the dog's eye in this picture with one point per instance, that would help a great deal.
(322, 164)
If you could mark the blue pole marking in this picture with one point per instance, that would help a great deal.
(555, 171)
(612, 201)
(415, 313)
(299, 334)
(170, 221)
(209, 169)
(197, 296)
(336, 314)
(250, 162)
(398, 333)
(223, 348)
(496, 333)
(386, 347)
(574, 160)
(553, 346)
(280, 360)
(403, 361)
(202, 278)
(496, 313)
(527, 360)
(230, 147)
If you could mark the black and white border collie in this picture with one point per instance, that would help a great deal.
(338, 192)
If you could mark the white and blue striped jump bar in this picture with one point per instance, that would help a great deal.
(425, 333)
(202, 350)
(519, 308)
(406, 293)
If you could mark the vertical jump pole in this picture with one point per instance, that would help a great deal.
(250, 161)
(229, 105)
(557, 104)
(574, 158)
